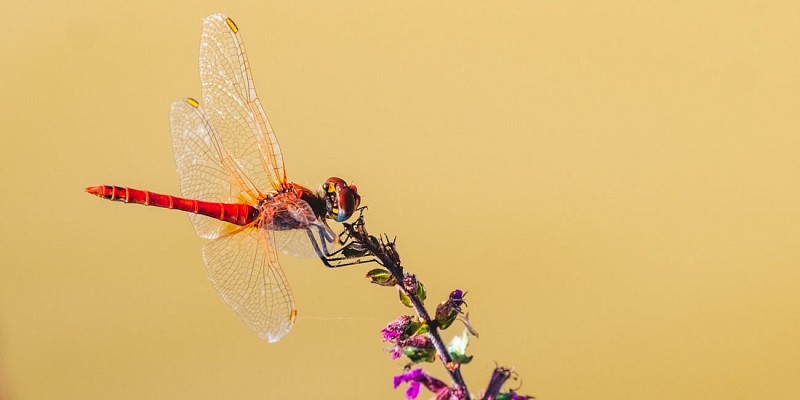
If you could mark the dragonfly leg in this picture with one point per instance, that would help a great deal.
(320, 245)
(351, 253)
(344, 261)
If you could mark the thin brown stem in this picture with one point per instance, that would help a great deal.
(387, 254)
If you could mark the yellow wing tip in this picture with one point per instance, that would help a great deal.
(192, 102)
(292, 316)
(232, 25)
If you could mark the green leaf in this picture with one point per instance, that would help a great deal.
(416, 354)
(381, 277)
(448, 319)
(461, 358)
(421, 291)
(404, 298)
(420, 328)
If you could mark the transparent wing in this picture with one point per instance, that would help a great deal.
(229, 96)
(298, 242)
(243, 267)
(205, 171)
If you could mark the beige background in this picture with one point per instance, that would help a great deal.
(616, 186)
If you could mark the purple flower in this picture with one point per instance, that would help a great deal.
(416, 378)
(457, 394)
(396, 329)
(397, 351)
(413, 376)
(499, 377)
(408, 335)
(457, 297)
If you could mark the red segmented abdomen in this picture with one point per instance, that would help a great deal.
(235, 213)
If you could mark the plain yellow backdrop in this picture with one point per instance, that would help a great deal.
(616, 186)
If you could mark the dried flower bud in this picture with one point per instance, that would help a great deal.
(410, 282)
(448, 310)
(390, 249)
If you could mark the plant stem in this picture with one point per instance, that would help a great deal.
(386, 252)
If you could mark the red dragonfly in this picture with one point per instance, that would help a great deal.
(226, 154)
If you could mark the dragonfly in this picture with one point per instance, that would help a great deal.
(233, 185)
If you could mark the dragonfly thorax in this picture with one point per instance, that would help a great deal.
(285, 210)
(335, 199)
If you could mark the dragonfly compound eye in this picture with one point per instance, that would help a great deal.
(342, 200)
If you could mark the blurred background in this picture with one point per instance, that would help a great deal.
(615, 185)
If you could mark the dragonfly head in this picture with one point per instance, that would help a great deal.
(341, 199)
